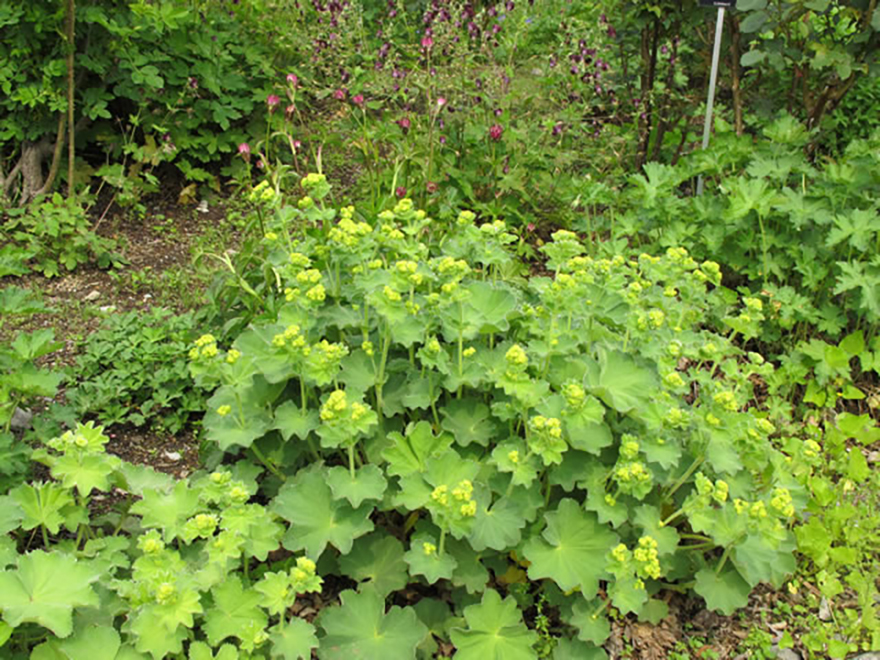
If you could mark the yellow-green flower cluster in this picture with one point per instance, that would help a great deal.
(166, 593)
(632, 473)
(303, 577)
(574, 395)
(517, 361)
(151, 543)
(676, 418)
(313, 180)
(429, 549)
(706, 490)
(782, 502)
(290, 338)
(407, 269)
(673, 379)
(335, 405)
(201, 525)
(493, 228)
(262, 192)
(458, 503)
(348, 233)
(727, 400)
(224, 410)
(205, 347)
(391, 295)
(648, 563)
(629, 447)
(465, 218)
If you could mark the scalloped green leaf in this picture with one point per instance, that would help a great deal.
(316, 518)
(45, 588)
(495, 631)
(361, 628)
(378, 558)
(567, 549)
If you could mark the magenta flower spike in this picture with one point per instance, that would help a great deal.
(293, 79)
(272, 102)
(400, 192)
(496, 131)
(358, 100)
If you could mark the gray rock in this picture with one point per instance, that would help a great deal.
(92, 295)
(21, 419)
(786, 654)
(866, 656)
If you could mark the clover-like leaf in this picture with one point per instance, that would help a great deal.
(568, 550)
(45, 588)
(426, 559)
(10, 514)
(725, 592)
(514, 457)
(235, 610)
(167, 511)
(495, 631)
(573, 649)
(360, 628)
(92, 643)
(316, 518)
(293, 640)
(469, 421)
(590, 620)
(42, 504)
(378, 558)
(87, 472)
(759, 560)
(410, 453)
(620, 382)
(368, 483)
(290, 420)
(498, 526)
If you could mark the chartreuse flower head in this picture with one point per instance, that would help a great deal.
(205, 348)
(545, 439)
(84, 439)
(517, 362)
(151, 543)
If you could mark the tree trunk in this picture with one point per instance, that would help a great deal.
(71, 147)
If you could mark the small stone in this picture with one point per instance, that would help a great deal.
(92, 295)
(866, 656)
(21, 419)
(824, 610)
(172, 455)
(786, 654)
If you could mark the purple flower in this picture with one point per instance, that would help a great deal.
(193, 83)
(496, 131)
(404, 125)
(293, 79)
(427, 42)
(441, 101)
(272, 101)
(289, 110)
(442, 139)
(664, 49)
(244, 150)
(400, 191)
(358, 100)
(498, 112)
(339, 95)
(557, 128)
(431, 187)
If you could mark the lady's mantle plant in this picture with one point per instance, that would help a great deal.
(597, 426)
(418, 419)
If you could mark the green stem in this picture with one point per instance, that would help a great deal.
(678, 484)
(265, 461)
(442, 543)
(723, 559)
(351, 461)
